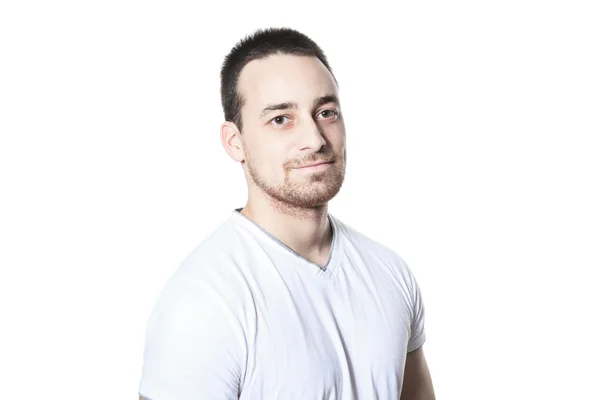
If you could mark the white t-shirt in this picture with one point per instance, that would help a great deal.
(246, 317)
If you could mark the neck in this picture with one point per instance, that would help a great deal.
(306, 231)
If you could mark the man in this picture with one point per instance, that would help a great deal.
(283, 300)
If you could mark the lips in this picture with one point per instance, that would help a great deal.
(314, 164)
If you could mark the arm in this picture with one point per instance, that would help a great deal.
(191, 350)
(417, 383)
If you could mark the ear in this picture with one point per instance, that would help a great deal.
(232, 142)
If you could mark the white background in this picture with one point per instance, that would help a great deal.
(473, 131)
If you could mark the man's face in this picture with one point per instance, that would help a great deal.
(291, 118)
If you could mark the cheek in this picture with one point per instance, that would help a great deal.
(267, 163)
(338, 144)
(269, 155)
(336, 135)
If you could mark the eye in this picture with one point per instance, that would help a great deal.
(279, 120)
(329, 114)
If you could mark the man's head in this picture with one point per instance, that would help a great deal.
(282, 109)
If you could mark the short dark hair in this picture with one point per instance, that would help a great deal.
(260, 44)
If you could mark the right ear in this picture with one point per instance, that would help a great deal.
(232, 142)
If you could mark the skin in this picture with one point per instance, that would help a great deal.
(417, 384)
(287, 201)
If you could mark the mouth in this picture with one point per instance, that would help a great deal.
(317, 164)
(315, 167)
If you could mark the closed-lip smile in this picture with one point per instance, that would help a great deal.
(314, 164)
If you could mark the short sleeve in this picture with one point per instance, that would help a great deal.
(417, 327)
(193, 348)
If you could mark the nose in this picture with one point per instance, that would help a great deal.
(310, 136)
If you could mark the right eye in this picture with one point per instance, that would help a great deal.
(279, 120)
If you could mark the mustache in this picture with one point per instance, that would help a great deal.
(313, 158)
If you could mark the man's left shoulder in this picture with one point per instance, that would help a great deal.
(371, 248)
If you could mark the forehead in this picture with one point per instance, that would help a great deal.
(282, 78)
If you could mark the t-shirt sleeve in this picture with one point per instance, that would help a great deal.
(417, 327)
(193, 348)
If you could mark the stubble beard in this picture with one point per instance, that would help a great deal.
(303, 193)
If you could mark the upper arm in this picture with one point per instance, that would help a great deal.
(417, 384)
(192, 348)
(417, 324)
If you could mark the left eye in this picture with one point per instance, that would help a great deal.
(329, 114)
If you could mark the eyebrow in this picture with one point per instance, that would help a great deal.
(288, 105)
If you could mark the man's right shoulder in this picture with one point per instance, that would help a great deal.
(207, 279)
(216, 262)
(214, 253)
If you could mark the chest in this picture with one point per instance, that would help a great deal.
(343, 339)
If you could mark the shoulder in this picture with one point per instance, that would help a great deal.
(373, 251)
(209, 276)
(216, 258)
(196, 333)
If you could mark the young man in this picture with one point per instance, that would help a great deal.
(283, 300)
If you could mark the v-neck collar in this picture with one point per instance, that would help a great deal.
(332, 261)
